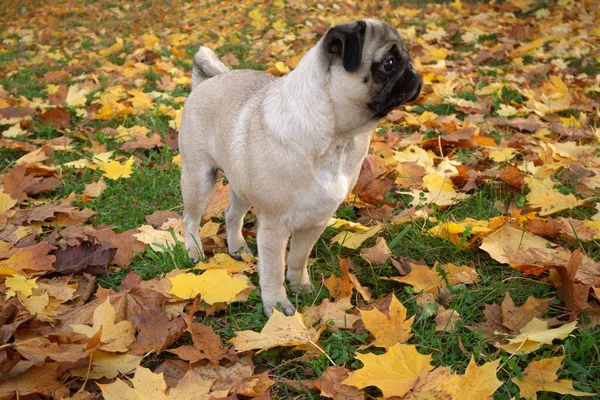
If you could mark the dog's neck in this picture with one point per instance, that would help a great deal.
(297, 108)
(301, 106)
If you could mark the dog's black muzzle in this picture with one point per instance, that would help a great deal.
(406, 89)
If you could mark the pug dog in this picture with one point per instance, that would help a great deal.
(290, 147)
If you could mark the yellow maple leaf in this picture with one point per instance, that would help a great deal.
(279, 25)
(536, 333)
(280, 330)
(150, 40)
(508, 240)
(281, 67)
(442, 198)
(159, 240)
(14, 131)
(435, 181)
(226, 262)
(148, 385)
(542, 195)
(353, 240)
(43, 307)
(76, 97)
(108, 365)
(19, 284)
(214, 285)
(177, 160)
(422, 278)
(503, 155)
(478, 382)
(347, 225)
(332, 313)
(540, 376)
(394, 372)
(175, 123)
(6, 202)
(388, 330)
(507, 111)
(115, 337)
(115, 170)
(209, 229)
(140, 99)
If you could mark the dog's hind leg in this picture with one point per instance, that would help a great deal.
(196, 187)
(234, 220)
(301, 245)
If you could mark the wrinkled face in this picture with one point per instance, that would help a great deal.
(373, 61)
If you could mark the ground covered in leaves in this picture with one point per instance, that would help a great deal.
(465, 265)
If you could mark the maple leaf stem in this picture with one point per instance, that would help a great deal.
(323, 351)
(87, 375)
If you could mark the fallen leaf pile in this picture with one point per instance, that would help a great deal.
(98, 300)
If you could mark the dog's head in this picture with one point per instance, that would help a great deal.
(371, 72)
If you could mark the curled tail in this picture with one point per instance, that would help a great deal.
(206, 65)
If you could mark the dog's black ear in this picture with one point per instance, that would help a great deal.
(346, 40)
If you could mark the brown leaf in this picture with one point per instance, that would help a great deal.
(92, 258)
(59, 117)
(31, 260)
(206, 341)
(156, 332)
(18, 185)
(36, 379)
(341, 287)
(369, 187)
(173, 371)
(17, 112)
(62, 214)
(529, 124)
(514, 318)
(256, 386)
(410, 175)
(228, 374)
(159, 217)
(143, 142)
(60, 347)
(548, 229)
(513, 177)
(573, 294)
(330, 384)
(127, 245)
(129, 304)
(378, 254)
(446, 320)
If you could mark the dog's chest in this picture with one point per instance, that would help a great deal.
(332, 179)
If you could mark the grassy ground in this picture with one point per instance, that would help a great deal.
(154, 185)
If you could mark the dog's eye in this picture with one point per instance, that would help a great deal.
(388, 65)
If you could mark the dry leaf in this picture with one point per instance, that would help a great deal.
(388, 330)
(541, 376)
(394, 372)
(378, 254)
(280, 330)
(214, 285)
(115, 337)
(534, 334)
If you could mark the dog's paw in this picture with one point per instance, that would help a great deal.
(284, 306)
(195, 254)
(302, 288)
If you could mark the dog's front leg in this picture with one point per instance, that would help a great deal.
(272, 239)
(301, 245)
